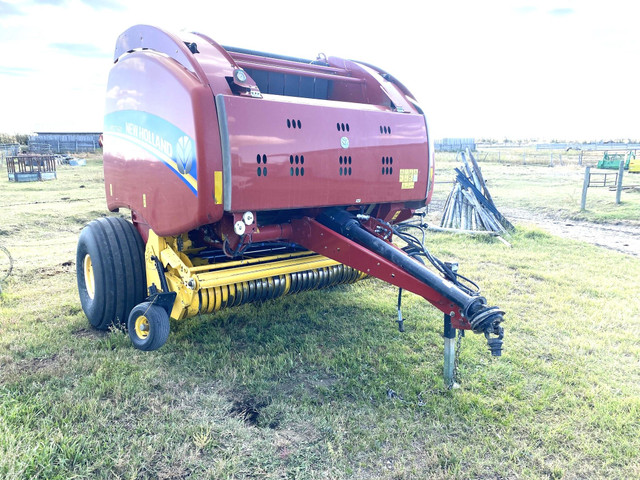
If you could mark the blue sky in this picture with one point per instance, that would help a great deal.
(517, 69)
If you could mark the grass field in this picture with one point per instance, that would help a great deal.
(552, 191)
(298, 387)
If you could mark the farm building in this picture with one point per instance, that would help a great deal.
(454, 144)
(64, 142)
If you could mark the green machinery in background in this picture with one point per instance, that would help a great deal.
(611, 161)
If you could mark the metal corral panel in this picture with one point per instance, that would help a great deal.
(64, 142)
(454, 144)
(31, 168)
(8, 149)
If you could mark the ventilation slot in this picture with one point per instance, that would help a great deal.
(261, 170)
(387, 169)
(298, 169)
(346, 169)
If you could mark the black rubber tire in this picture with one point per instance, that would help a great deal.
(157, 325)
(116, 253)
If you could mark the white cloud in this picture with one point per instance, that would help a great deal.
(521, 69)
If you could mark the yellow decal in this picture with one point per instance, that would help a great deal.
(395, 215)
(408, 175)
(217, 187)
(408, 178)
(111, 190)
(144, 200)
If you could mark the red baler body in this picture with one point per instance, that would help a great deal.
(183, 143)
(250, 176)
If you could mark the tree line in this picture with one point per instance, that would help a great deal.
(21, 138)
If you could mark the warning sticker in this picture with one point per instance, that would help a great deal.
(408, 178)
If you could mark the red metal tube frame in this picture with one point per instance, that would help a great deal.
(313, 235)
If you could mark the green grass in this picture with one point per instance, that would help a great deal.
(297, 387)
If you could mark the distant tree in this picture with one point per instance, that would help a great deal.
(7, 138)
(21, 138)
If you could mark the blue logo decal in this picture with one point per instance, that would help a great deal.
(160, 138)
(183, 154)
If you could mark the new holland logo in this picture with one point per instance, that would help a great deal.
(184, 155)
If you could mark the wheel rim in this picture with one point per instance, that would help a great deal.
(142, 326)
(89, 278)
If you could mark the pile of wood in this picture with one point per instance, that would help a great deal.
(469, 206)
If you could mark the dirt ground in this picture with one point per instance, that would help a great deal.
(623, 238)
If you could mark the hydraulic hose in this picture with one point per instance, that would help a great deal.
(481, 317)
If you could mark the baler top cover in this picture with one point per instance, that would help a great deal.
(194, 130)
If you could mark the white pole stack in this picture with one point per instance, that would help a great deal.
(470, 206)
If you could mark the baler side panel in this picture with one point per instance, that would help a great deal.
(159, 155)
(303, 153)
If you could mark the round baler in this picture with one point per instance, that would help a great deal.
(250, 176)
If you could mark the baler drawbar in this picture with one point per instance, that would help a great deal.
(251, 176)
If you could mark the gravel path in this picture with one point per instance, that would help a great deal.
(623, 237)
